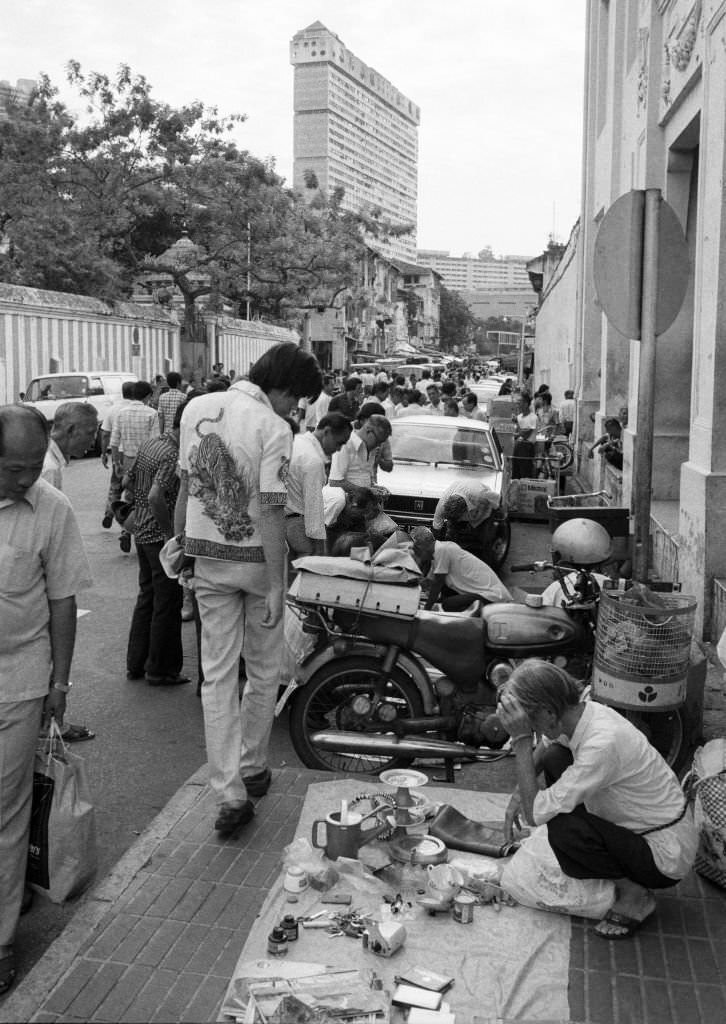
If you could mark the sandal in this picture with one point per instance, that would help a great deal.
(629, 924)
(77, 733)
(7, 972)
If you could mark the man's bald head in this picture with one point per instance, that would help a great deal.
(23, 444)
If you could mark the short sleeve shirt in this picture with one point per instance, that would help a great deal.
(42, 559)
(236, 452)
(467, 574)
(305, 484)
(156, 463)
(354, 463)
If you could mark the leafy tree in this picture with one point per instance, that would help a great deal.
(89, 201)
(456, 321)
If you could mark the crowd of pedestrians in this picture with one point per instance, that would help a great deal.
(215, 486)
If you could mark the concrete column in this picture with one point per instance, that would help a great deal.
(702, 524)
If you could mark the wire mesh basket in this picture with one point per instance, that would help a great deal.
(642, 652)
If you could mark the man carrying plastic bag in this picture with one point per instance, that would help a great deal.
(42, 567)
(612, 806)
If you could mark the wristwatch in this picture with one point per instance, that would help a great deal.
(61, 687)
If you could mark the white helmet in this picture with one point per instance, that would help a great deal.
(581, 542)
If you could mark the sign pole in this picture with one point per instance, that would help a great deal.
(643, 453)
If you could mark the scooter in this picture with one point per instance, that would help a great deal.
(378, 690)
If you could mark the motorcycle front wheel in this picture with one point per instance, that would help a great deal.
(326, 702)
(500, 543)
(564, 452)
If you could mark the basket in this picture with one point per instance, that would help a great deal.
(642, 652)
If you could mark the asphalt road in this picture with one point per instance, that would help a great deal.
(150, 740)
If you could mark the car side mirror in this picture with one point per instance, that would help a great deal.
(22, 396)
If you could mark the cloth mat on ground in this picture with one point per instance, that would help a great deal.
(511, 965)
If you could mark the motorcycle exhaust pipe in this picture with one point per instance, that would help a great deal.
(390, 746)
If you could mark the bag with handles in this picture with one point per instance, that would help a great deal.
(62, 855)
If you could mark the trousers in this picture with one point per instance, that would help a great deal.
(231, 598)
(19, 728)
(587, 846)
(155, 637)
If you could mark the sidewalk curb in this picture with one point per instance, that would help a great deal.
(32, 992)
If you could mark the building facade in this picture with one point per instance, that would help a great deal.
(481, 273)
(354, 130)
(655, 118)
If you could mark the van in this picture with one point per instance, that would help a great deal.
(100, 388)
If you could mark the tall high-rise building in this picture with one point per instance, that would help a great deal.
(353, 128)
(478, 273)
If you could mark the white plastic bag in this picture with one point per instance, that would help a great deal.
(534, 878)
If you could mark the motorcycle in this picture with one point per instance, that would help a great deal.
(378, 690)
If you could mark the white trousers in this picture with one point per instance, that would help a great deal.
(19, 728)
(231, 599)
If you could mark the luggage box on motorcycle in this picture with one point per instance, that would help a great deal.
(358, 595)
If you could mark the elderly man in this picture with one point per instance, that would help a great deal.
(234, 454)
(455, 575)
(73, 432)
(304, 510)
(42, 567)
(465, 514)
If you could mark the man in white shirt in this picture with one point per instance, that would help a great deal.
(314, 411)
(415, 405)
(73, 432)
(470, 408)
(355, 464)
(449, 567)
(304, 509)
(114, 487)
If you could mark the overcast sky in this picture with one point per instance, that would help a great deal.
(499, 84)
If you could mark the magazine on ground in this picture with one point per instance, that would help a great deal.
(270, 992)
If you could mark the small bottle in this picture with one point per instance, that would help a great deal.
(277, 942)
(289, 926)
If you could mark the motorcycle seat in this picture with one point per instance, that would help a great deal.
(451, 643)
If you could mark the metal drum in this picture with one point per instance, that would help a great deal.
(642, 651)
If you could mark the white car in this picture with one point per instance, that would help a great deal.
(99, 388)
(429, 454)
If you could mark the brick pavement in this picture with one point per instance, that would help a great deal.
(159, 938)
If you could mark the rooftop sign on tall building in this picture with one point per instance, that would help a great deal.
(353, 129)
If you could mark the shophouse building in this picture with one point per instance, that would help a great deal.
(655, 118)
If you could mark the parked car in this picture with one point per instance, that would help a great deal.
(99, 388)
(429, 454)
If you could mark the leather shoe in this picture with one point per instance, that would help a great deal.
(107, 521)
(176, 680)
(232, 818)
(259, 783)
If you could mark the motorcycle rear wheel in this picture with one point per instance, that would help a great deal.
(563, 450)
(319, 704)
(662, 729)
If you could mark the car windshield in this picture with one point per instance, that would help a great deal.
(439, 442)
(52, 388)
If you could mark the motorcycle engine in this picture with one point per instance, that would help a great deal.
(480, 727)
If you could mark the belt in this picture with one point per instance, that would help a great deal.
(659, 828)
